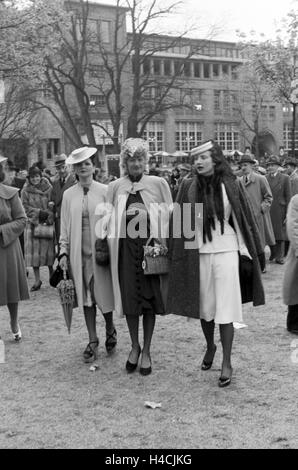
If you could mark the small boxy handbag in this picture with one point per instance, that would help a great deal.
(102, 256)
(43, 231)
(155, 259)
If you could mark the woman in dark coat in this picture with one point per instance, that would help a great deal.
(36, 195)
(13, 281)
(204, 276)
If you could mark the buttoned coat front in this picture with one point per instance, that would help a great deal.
(290, 281)
(71, 242)
(260, 197)
(281, 191)
(294, 182)
(153, 189)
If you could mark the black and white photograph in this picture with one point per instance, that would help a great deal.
(148, 227)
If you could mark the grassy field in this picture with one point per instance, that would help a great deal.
(50, 398)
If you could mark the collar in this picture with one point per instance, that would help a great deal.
(132, 187)
(7, 192)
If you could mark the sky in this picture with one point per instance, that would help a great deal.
(261, 16)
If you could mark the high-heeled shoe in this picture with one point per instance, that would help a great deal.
(91, 352)
(18, 335)
(131, 366)
(146, 370)
(111, 340)
(36, 286)
(207, 365)
(225, 381)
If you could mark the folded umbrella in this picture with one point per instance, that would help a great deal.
(67, 295)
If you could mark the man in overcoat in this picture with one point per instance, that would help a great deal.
(62, 181)
(281, 191)
(292, 171)
(260, 196)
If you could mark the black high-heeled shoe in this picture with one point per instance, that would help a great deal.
(36, 286)
(131, 366)
(207, 365)
(225, 381)
(111, 341)
(146, 370)
(91, 352)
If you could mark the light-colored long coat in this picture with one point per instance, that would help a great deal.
(290, 281)
(153, 189)
(71, 242)
(260, 196)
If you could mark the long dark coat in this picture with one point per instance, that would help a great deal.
(290, 281)
(281, 191)
(56, 196)
(184, 278)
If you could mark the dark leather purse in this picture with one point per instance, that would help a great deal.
(56, 277)
(102, 255)
(246, 278)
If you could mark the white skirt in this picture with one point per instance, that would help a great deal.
(220, 294)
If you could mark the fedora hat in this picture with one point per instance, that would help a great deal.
(290, 161)
(60, 159)
(2, 159)
(273, 160)
(80, 154)
(247, 159)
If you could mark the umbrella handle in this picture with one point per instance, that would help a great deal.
(65, 274)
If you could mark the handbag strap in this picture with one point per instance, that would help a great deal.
(150, 239)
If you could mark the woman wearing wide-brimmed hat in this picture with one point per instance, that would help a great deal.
(136, 197)
(13, 281)
(204, 279)
(77, 249)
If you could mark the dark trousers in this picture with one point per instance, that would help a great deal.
(277, 250)
(292, 318)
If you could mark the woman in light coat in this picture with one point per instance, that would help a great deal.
(137, 294)
(13, 281)
(93, 283)
(290, 282)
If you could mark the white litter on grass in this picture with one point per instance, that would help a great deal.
(237, 325)
(94, 367)
(152, 404)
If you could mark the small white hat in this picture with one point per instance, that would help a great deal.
(2, 159)
(80, 154)
(202, 148)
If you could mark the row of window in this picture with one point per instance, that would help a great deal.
(189, 68)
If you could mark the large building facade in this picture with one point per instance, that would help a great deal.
(217, 103)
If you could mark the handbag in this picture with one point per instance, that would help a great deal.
(43, 231)
(57, 276)
(155, 259)
(246, 278)
(102, 255)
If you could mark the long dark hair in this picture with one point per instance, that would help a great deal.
(2, 174)
(210, 192)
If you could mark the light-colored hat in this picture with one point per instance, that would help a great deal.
(80, 154)
(202, 148)
(273, 160)
(2, 159)
(60, 159)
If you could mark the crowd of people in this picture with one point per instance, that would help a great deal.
(212, 269)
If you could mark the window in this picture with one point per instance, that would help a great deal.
(187, 69)
(272, 114)
(156, 67)
(178, 67)
(167, 67)
(206, 71)
(227, 136)
(197, 69)
(215, 70)
(188, 135)
(226, 101)
(234, 72)
(104, 31)
(154, 134)
(97, 100)
(52, 148)
(225, 69)
(96, 71)
(287, 135)
(146, 66)
(216, 100)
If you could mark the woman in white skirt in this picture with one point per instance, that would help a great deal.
(204, 276)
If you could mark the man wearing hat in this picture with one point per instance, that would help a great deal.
(260, 196)
(62, 181)
(281, 191)
(185, 172)
(290, 165)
